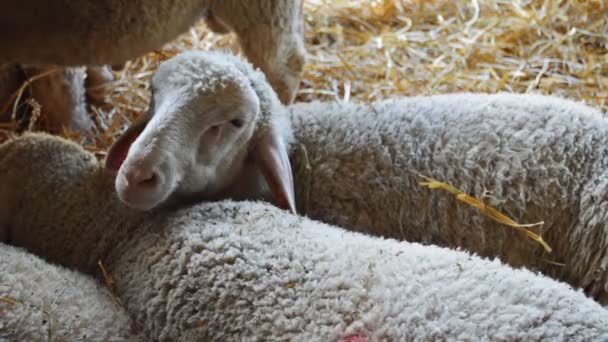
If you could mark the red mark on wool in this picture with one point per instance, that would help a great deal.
(355, 338)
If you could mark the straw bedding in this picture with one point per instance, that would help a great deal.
(366, 50)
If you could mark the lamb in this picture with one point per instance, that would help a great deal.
(233, 140)
(112, 32)
(358, 166)
(43, 302)
(250, 271)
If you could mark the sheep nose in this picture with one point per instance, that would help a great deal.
(137, 178)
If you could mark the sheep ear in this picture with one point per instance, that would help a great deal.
(118, 151)
(271, 156)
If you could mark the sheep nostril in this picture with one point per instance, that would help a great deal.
(151, 180)
(141, 179)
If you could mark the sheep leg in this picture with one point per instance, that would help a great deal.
(61, 94)
(215, 24)
(11, 78)
(271, 36)
(96, 82)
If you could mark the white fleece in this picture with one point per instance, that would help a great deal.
(45, 302)
(357, 165)
(543, 158)
(249, 271)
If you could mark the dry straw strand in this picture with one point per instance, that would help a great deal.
(486, 210)
(106, 277)
(7, 300)
(16, 96)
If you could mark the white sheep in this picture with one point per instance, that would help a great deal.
(357, 165)
(99, 32)
(231, 126)
(44, 302)
(542, 159)
(249, 271)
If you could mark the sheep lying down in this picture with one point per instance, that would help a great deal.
(44, 302)
(251, 271)
(540, 158)
(357, 165)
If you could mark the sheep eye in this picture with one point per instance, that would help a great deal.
(238, 123)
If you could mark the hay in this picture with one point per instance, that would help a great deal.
(106, 277)
(109, 282)
(367, 50)
(9, 301)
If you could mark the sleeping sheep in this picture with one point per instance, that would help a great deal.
(541, 159)
(68, 35)
(358, 165)
(239, 144)
(44, 302)
(250, 271)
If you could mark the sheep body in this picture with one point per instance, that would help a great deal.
(52, 303)
(359, 166)
(228, 270)
(10, 80)
(542, 158)
(91, 32)
(114, 31)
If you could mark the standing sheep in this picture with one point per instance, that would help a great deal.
(358, 166)
(44, 302)
(234, 271)
(99, 32)
(59, 91)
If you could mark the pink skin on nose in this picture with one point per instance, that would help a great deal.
(136, 177)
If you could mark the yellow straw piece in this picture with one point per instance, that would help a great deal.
(8, 301)
(486, 210)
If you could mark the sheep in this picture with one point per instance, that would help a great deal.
(270, 32)
(230, 270)
(222, 157)
(357, 165)
(542, 159)
(10, 79)
(41, 302)
(59, 91)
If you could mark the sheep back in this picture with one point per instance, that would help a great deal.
(543, 159)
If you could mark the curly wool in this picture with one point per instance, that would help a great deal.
(53, 303)
(249, 271)
(543, 159)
